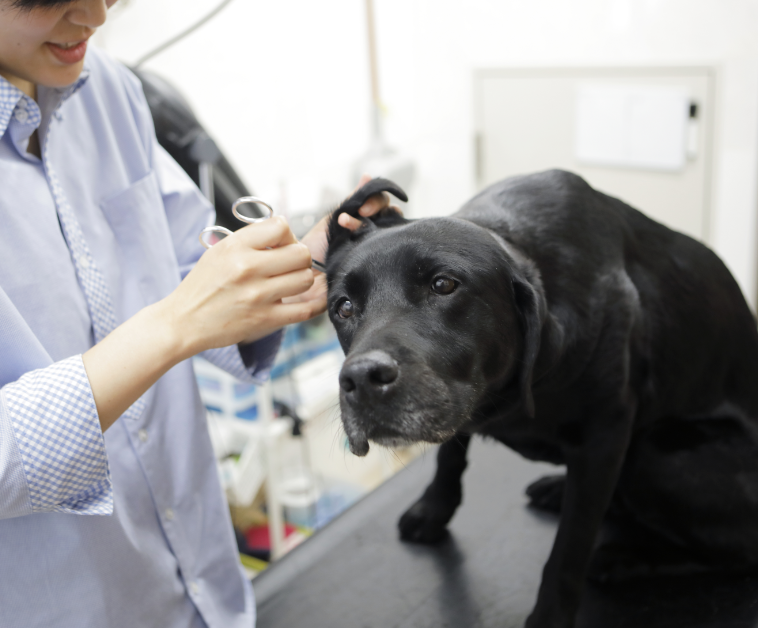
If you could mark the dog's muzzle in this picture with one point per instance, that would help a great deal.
(366, 379)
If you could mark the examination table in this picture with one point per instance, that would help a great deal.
(356, 573)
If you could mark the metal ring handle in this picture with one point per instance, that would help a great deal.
(214, 229)
(251, 199)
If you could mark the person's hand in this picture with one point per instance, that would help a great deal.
(316, 242)
(235, 292)
(315, 239)
(373, 205)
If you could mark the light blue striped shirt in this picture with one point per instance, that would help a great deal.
(130, 528)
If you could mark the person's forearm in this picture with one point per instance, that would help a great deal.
(232, 295)
(246, 287)
(132, 358)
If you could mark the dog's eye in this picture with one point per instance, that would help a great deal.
(444, 285)
(345, 309)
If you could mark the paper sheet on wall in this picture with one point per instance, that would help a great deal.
(633, 126)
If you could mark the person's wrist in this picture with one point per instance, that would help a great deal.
(175, 340)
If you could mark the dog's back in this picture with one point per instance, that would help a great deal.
(696, 343)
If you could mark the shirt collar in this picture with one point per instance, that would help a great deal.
(11, 98)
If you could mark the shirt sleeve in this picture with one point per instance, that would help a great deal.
(248, 363)
(52, 450)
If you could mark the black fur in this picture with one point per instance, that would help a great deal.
(579, 332)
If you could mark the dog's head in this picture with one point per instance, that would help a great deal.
(432, 314)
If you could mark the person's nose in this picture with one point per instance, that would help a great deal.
(89, 13)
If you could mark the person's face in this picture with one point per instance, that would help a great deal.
(46, 46)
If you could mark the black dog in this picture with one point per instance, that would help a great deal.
(575, 330)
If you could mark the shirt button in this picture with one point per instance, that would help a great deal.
(142, 434)
(84, 263)
(194, 588)
(22, 115)
(169, 514)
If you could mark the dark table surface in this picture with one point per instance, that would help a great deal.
(356, 573)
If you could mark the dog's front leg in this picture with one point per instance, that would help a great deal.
(592, 471)
(426, 521)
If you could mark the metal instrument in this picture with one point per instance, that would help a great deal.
(247, 219)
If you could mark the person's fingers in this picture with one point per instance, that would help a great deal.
(281, 314)
(287, 285)
(267, 234)
(289, 313)
(316, 240)
(281, 260)
(348, 222)
(374, 204)
(317, 292)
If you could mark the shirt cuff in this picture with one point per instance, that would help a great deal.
(57, 429)
(248, 363)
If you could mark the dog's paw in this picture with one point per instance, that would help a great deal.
(424, 522)
(547, 493)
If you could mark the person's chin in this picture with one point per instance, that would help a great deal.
(58, 77)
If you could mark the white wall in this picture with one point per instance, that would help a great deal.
(283, 85)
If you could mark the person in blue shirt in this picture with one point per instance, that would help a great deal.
(111, 512)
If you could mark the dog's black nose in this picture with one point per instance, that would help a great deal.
(370, 373)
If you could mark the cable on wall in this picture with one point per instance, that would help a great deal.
(204, 20)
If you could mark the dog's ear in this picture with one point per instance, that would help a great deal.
(337, 235)
(531, 307)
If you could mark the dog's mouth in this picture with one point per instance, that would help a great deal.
(358, 442)
(359, 435)
(418, 404)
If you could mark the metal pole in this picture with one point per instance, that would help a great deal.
(373, 70)
(274, 506)
(205, 176)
